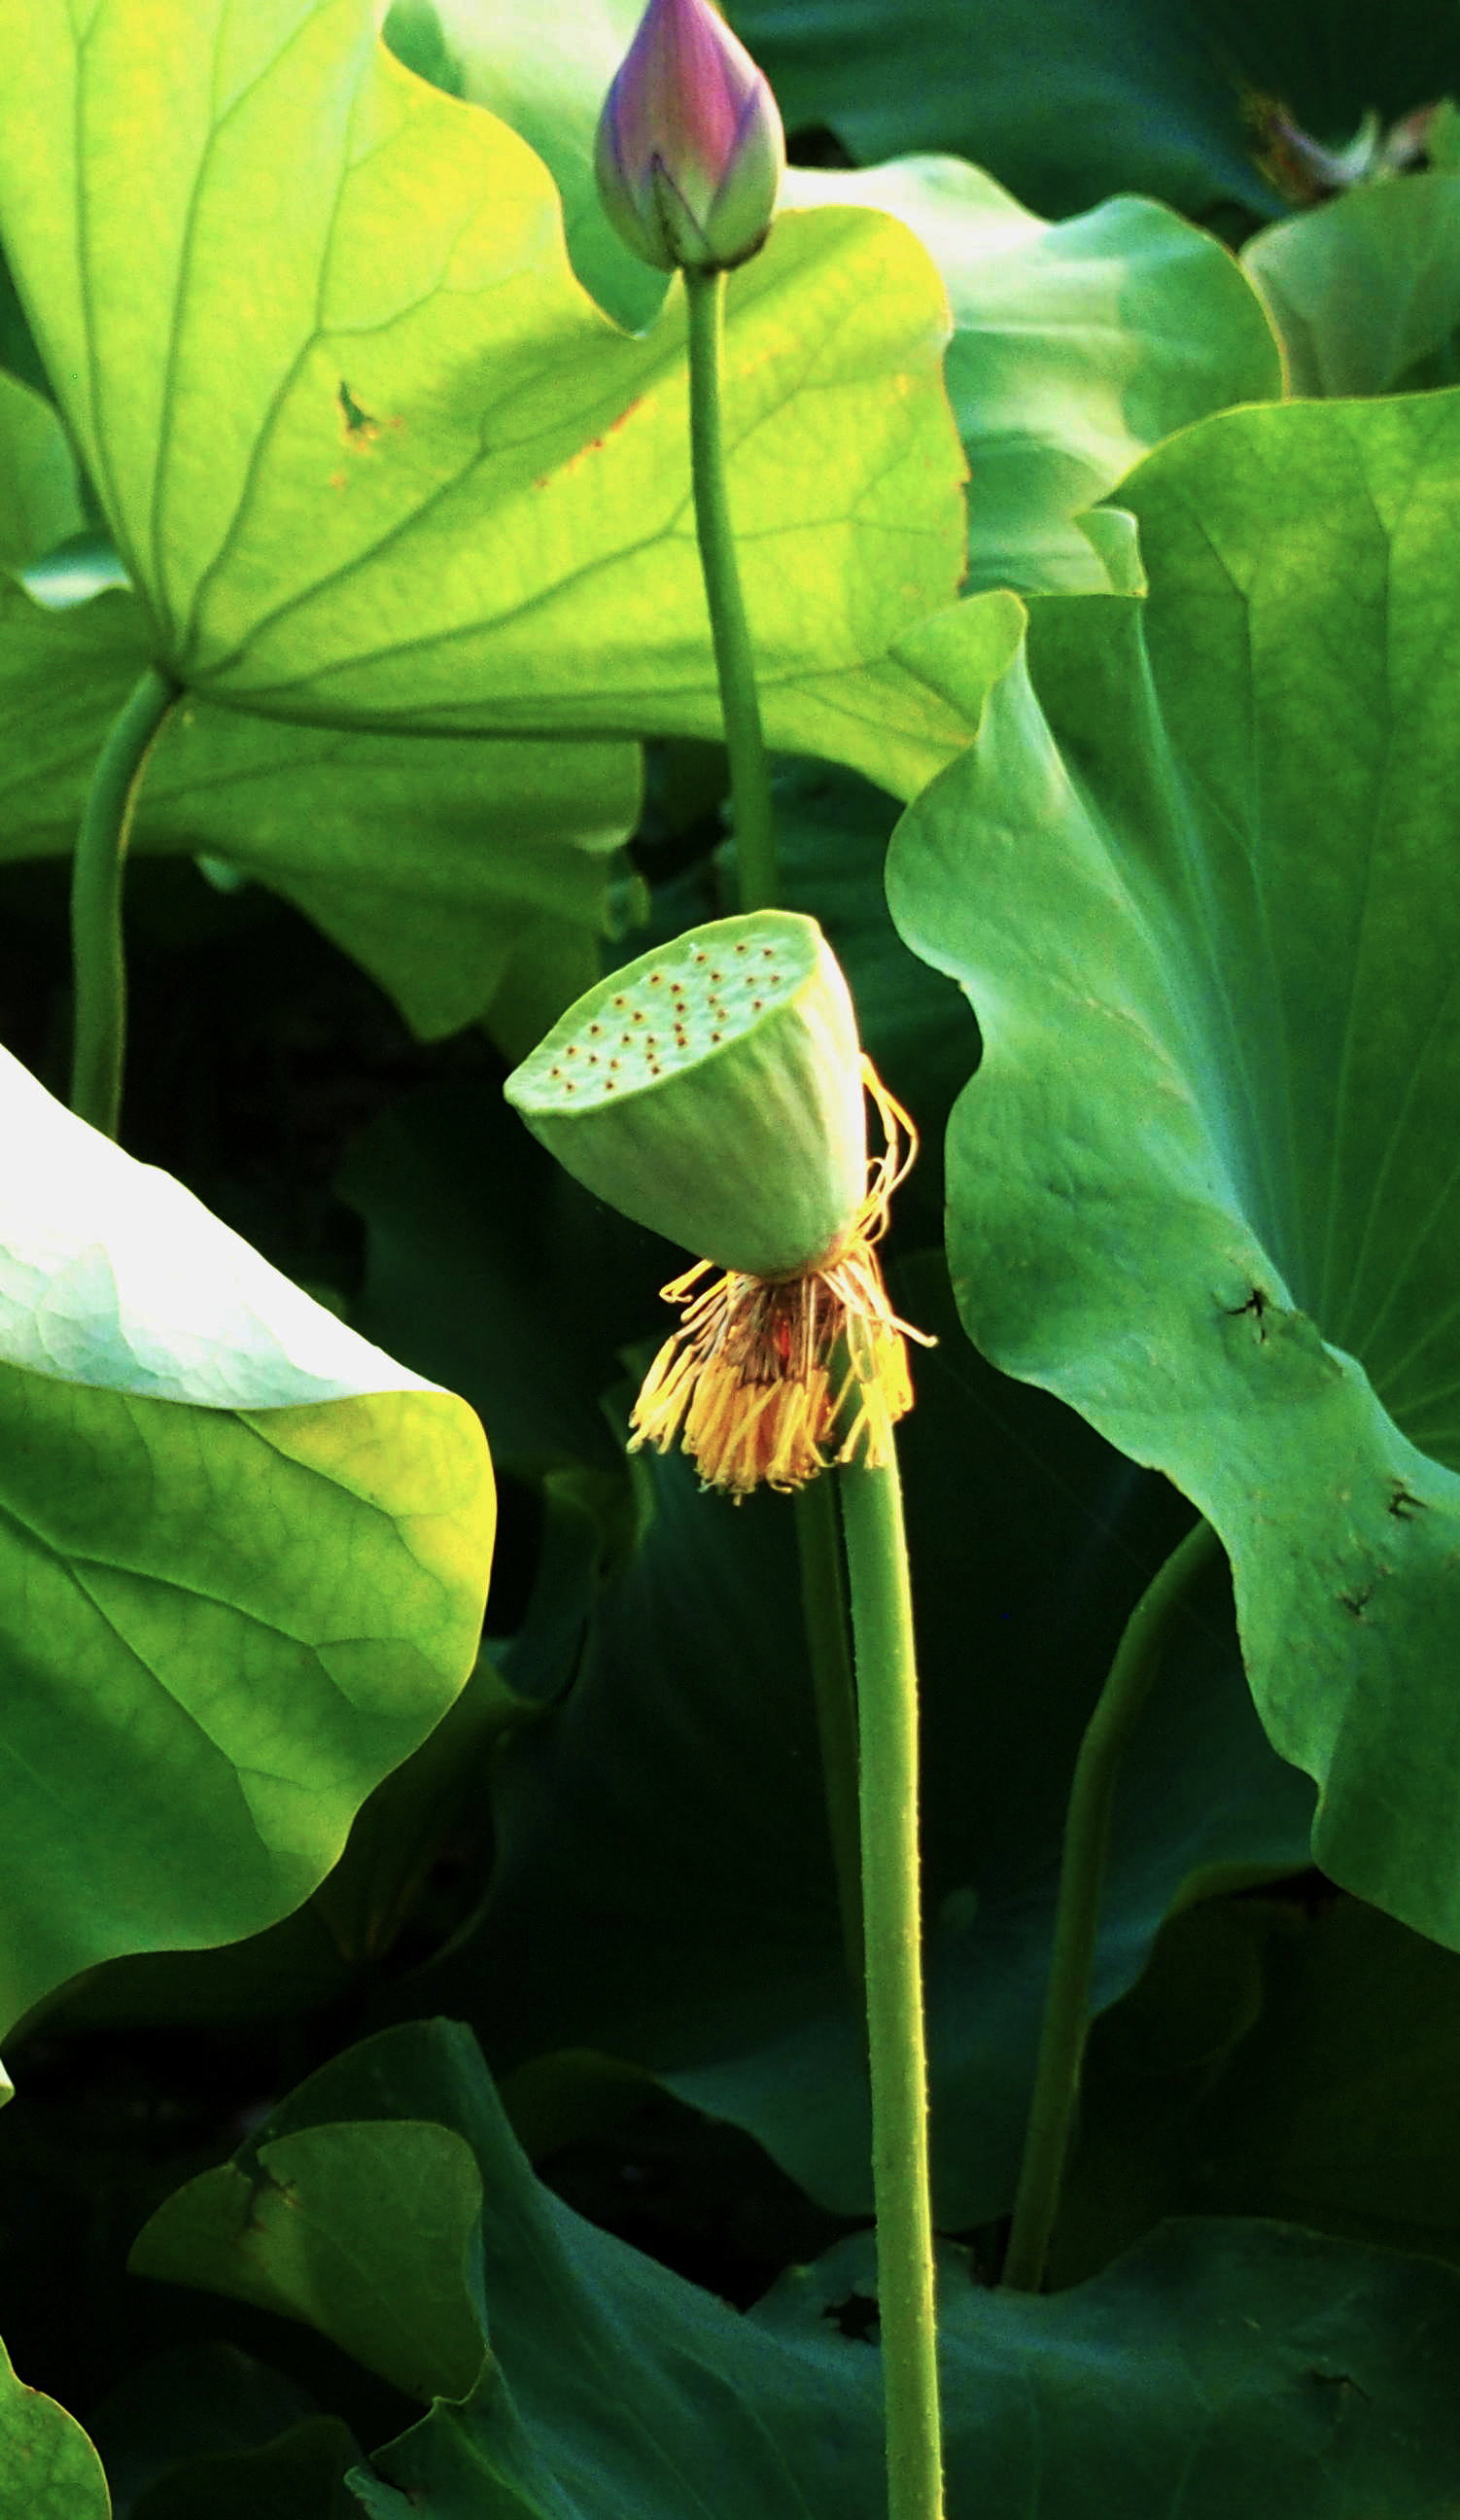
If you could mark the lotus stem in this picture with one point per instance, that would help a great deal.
(1067, 2002)
(97, 954)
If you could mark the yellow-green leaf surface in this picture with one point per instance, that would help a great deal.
(373, 456)
(242, 1560)
(547, 73)
(48, 2468)
(439, 865)
(1199, 880)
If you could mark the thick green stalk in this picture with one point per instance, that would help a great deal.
(824, 1615)
(98, 962)
(880, 1916)
(750, 777)
(887, 1700)
(1118, 1711)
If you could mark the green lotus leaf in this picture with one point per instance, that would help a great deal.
(1067, 103)
(19, 356)
(547, 73)
(1277, 2059)
(48, 2468)
(299, 2476)
(1198, 881)
(441, 866)
(1220, 2367)
(1077, 348)
(40, 502)
(242, 1558)
(372, 456)
(1365, 290)
(282, 2233)
(191, 2428)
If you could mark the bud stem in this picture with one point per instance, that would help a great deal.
(750, 777)
(758, 886)
(99, 979)
(887, 1700)
(1067, 2001)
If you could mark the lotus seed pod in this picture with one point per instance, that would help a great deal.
(713, 1092)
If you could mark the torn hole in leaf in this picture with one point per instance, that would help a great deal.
(856, 2317)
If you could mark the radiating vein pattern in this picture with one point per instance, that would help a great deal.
(371, 454)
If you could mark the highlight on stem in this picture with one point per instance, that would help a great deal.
(716, 1092)
(691, 150)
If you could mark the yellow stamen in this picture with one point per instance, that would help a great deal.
(748, 1372)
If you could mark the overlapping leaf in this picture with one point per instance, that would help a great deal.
(1077, 348)
(1199, 884)
(1295, 2064)
(1066, 104)
(439, 865)
(206, 2429)
(1365, 290)
(48, 2468)
(695, 1928)
(547, 74)
(1221, 2368)
(40, 502)
(242, 1557)
(372, 456)
(299, 2476)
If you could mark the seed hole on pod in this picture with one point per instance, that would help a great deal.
(701, 957)
(609, 1085)
(715, 1036)
(594, 1029)
(621, 1000)
(742, 947)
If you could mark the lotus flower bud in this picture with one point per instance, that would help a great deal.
(691, 150)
